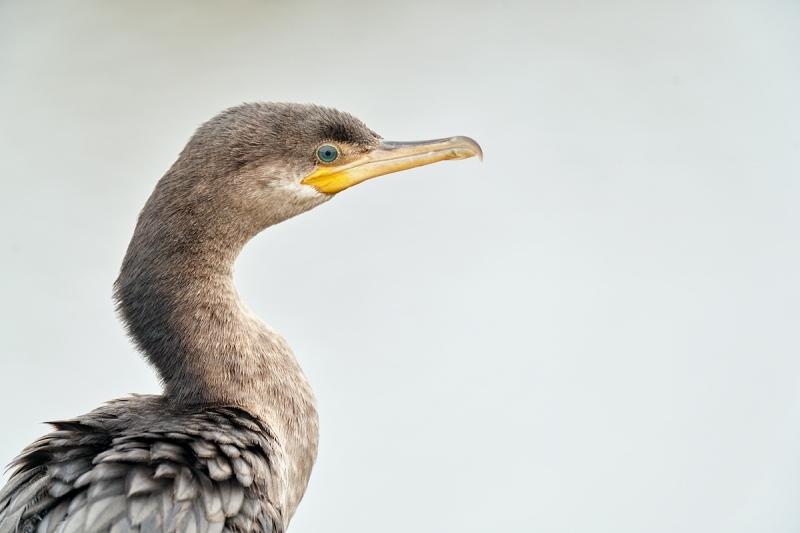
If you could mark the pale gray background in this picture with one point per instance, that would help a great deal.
(597, 329)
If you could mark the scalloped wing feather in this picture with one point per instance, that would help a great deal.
(110, 470)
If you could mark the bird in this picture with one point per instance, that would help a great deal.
(230, 443)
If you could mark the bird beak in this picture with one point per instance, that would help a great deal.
(390, 157)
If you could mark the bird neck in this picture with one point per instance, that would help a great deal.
(176, 295)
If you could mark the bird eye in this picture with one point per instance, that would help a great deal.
(327, 153)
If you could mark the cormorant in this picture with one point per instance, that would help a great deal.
(230, 443)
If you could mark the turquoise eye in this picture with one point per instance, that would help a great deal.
(327, 153)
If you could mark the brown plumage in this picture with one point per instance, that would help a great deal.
(230, 444)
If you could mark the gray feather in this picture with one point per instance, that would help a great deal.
(185, 485)
(161, 450)
(219, 468)
(231, 496)
(139, 480)
(75, 521)
(174, 490)
(102, 513)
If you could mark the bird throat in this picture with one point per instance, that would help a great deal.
(176, 295)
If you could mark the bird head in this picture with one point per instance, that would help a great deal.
(266, 162)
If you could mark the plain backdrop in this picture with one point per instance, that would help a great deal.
(597, 329)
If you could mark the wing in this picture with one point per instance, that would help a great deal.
(205, 472)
